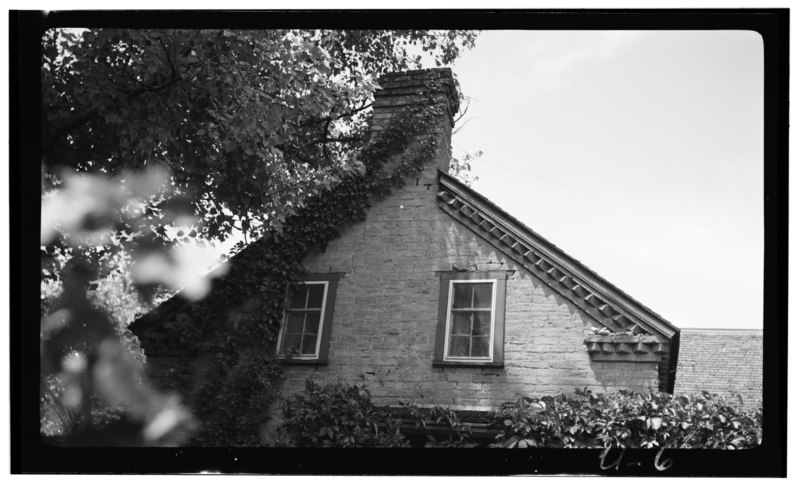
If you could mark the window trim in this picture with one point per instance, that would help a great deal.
(497, 333)
(320, 357)
(448, 322)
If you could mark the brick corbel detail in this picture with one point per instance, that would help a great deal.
(625, 347)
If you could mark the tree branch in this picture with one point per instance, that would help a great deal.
(460, 116)
(330, 119)
(341, 139)
(66, 127)
(364, 106)
(173, 72)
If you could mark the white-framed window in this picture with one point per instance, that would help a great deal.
(469, 331)
(471, 319)
(305, 332)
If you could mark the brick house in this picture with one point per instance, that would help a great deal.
(441, 297)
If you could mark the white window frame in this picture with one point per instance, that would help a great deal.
(286, 311)
(448, 325)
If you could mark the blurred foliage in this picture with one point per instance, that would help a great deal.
(157, 143)
(115, 296)
(630, 420)
(92, 389)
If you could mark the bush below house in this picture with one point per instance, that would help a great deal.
(337, 415)
(626, 419)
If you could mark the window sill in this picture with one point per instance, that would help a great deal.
(301, 361)
(470, 364)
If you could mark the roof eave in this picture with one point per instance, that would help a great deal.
(558, 257)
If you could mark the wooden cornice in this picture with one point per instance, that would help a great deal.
(595, 296)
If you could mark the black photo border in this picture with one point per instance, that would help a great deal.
(30, 456)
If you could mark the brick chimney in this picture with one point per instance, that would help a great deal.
(399, 91)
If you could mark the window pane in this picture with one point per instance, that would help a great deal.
(480, 346)
(461, 322)
(315, 296)
(297, 297)
(483, 295)
(462, 295)
(459, 346)
(309, 345)
(294, 322)
(292, 343)
(481, 323)
(312, 323)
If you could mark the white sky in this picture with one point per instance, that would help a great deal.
(638, 153)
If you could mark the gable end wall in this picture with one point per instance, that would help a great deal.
(385, 315)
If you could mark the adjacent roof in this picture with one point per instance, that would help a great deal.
(632, 331)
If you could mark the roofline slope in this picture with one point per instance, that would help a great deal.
(585, 278)
(571, 266)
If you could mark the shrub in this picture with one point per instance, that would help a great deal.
(459, 435)
(337, 415)
(627, 419)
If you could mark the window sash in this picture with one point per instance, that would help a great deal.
(449, 321)
(284, 327)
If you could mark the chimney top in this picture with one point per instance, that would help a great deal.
(428, 88)
(404, 88)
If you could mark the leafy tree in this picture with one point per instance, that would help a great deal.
(152, 138)
(247, 124)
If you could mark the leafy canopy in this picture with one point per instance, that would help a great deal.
(248, 124)
(211, 131)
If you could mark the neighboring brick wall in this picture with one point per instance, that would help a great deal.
(723, 361)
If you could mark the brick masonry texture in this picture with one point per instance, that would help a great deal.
(722, 362)
(386, 308)
(385, 315)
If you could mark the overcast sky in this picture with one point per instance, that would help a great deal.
(638, 153)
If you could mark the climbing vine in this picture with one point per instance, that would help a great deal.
(236, 327)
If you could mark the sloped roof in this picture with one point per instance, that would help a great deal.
(598, 298)
(636, 333)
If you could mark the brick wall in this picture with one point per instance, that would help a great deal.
(722, 361)
(385, 316)
(386, 306)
